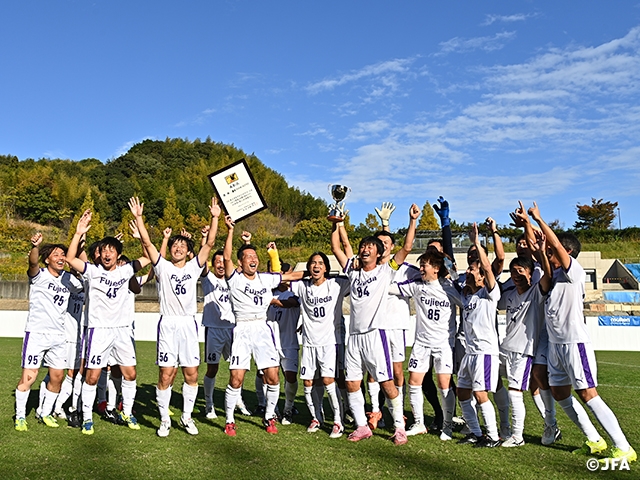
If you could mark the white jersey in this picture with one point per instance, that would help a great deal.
(398, 311)
(177, 287)
(525, 319)
(287, 320)
(251, 298)
(217, 304)
(479, 321)
(108, 295)
(563, 308)
(369, 294)
(321, 308)
(49, 300)
(433, 311)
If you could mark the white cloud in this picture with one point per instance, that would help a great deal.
(53, 154)
(315, 131)
(486, 44)
(558, 127)
(198, 119)
(385, 72)
(364, 130)
(516, 17)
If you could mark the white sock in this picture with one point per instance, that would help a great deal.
(579, 416)
(290, 390)
(448, 400)
(334, 402)
(489, 415)
(397, 411)
(356, 403)
(273, 393)
(416, 400)
(65, 393)
(48, 402)
(163, 398)
(518, 413)
(128, 395)
(262, 401)
(609, 422)
(189, 394)
(230, 400)
(77, 390)
(112, 391)
(21, 403)
(102, 385)
(471, 416)
(209, 385)
(501, 397)
(88, 398)
(374, 395)
(308, 396)
(539, 403)
(549, 407)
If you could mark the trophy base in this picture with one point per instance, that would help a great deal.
(335, 218)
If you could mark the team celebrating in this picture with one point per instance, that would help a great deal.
(81, 320)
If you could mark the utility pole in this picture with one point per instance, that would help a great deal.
(619, 220)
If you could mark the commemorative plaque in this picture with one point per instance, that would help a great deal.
(237, 190)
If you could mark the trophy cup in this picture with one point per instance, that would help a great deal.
(336, 210)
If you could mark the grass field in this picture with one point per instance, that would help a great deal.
(117, 452)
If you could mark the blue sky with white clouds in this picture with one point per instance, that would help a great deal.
(482, 102)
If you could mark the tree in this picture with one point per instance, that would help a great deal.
(312, 231)
(599, 215)
(372, 223)
(194, 222)
(171, 216)
(428, 218)
(97, 230)
(369, 227)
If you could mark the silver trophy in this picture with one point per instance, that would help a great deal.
(336, 210)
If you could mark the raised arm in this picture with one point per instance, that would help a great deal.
(246, 237)
(34, 253)
(385, 214)
(136, 209)
(401, 255)
(229, 266)
(489, 277)
(84, 224)
(539, 251)
(274, 256)
(498, 262)
(552, 240)
(166, 235)
(203, 254)
(339, 240)
(520, 219)
(443, 212)
(81, 254)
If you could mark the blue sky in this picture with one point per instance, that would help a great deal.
(482, 102)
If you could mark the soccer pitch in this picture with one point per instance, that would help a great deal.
(117, 452)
